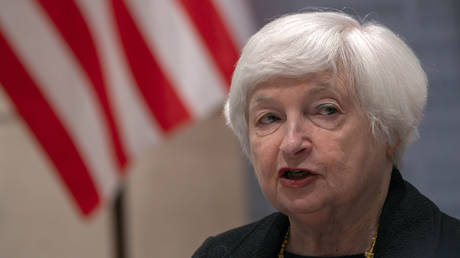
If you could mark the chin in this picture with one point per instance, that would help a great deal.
(299, 206)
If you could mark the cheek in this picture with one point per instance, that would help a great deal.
(346, 157)
(351, 142)
(330, 149)
(264, 151)
(264, 156)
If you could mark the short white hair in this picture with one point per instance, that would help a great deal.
(384, 73)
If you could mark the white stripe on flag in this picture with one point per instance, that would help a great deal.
(65, 86)
(181, 54)
(138, 130)
(237, 16)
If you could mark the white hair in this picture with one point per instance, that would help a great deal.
(385, 75)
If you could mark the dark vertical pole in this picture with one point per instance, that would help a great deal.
(119, 224)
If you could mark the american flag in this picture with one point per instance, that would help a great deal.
(99, 81)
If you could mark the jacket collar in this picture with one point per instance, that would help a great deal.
(408, 222)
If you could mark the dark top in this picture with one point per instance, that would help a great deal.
(410, 226)
(289, 255)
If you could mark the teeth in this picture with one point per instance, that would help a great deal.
(295, 174)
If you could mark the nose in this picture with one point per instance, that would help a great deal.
(296, 141)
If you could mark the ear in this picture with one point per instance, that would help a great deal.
(391, 149)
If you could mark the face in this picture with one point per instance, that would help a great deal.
(312, 147)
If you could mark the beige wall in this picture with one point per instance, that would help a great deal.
(193, 186)
(179, 192)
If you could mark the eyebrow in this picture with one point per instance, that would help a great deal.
(264, 99)
(317, 89)
(261, 101)
(323, 87)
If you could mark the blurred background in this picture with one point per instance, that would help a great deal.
(135, 87)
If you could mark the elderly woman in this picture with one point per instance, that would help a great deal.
(324, 107)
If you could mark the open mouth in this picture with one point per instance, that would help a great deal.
(296, 177)
(295, 174)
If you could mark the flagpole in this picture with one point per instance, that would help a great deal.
(119, 224)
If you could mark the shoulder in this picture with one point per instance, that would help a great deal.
(449, 241)
(450, 227)
(241, 238)
(411, 225)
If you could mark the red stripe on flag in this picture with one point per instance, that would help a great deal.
(70, 23)
(214, 34)
(158, 92)
(47, 128)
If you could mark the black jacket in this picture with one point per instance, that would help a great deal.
(410, 226)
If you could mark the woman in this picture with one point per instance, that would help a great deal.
(324, 107)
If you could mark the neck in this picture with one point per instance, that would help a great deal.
(340, 231)
(332, 241)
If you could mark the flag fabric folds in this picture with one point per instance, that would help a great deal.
(98, 81)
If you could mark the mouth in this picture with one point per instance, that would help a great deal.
(296, 177)
(294, 174)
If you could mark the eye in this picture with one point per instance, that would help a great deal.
(268, 119)
(327, 109)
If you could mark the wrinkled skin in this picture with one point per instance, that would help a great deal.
(317, 125)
